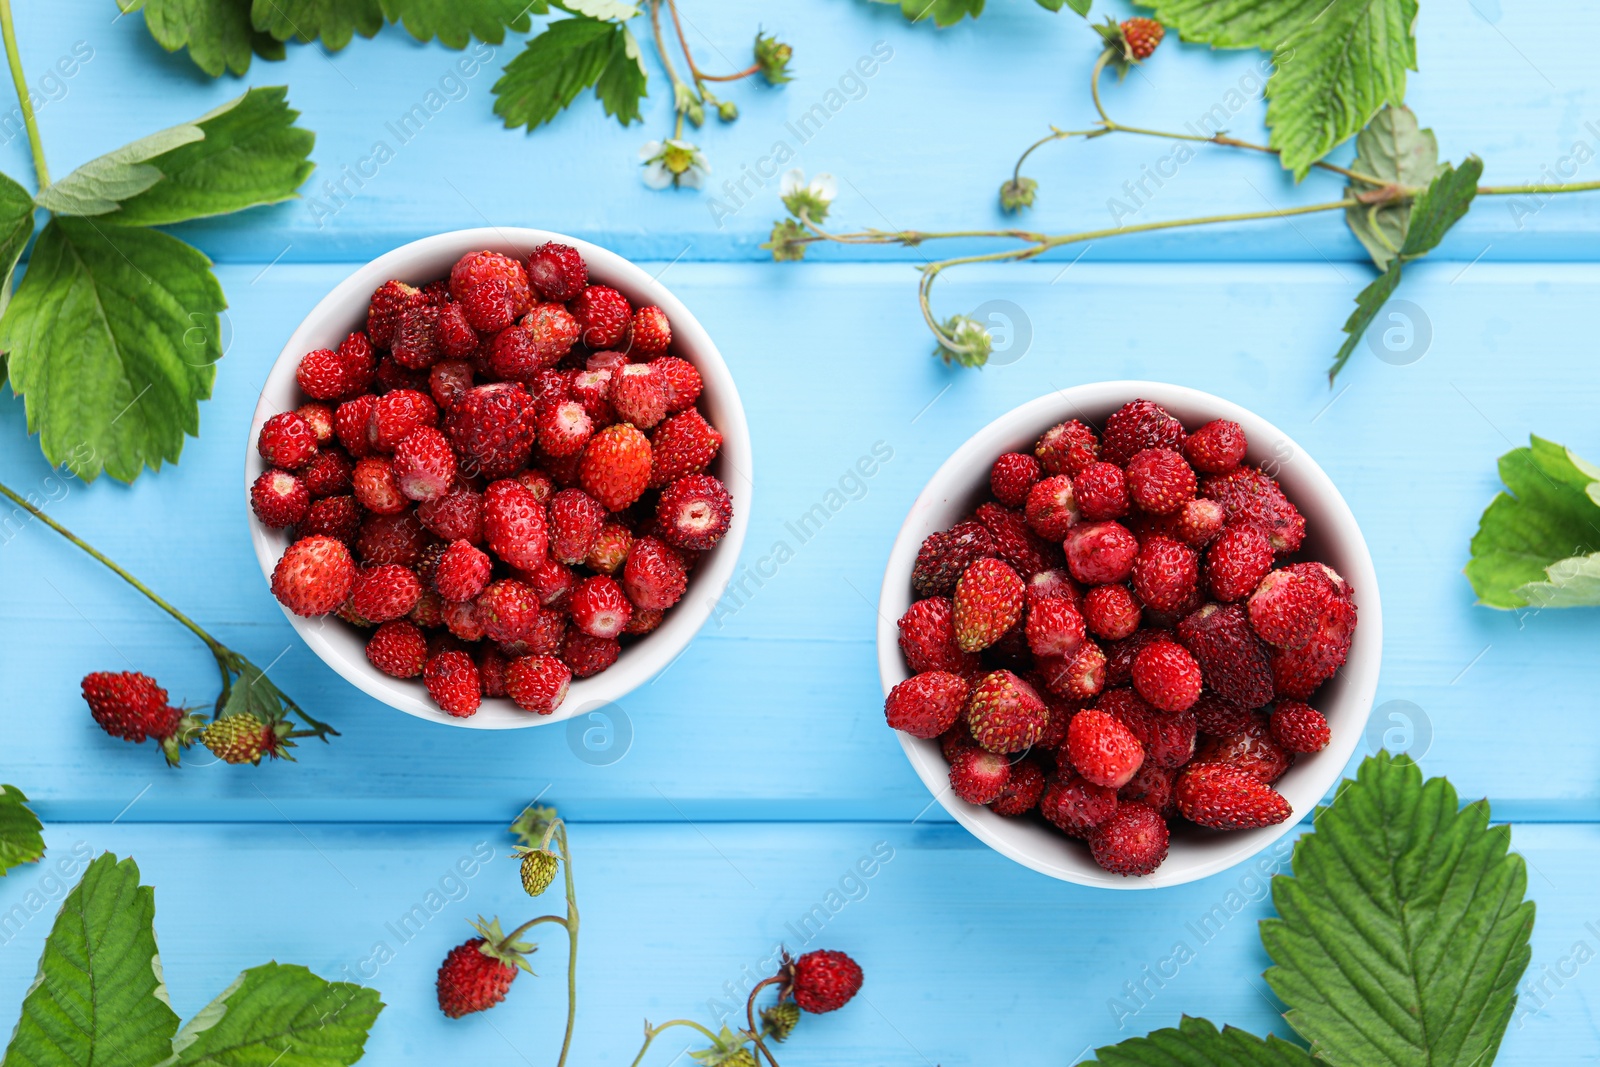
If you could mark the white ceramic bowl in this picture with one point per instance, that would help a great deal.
(1332, 537)
(342, 646)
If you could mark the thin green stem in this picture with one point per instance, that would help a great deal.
(672, 71)
(1094, 82)
(1537, 188)
(571, 924)
(14, 60)
(650, 1033)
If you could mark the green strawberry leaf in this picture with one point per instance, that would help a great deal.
(279, 1014)
(1198, 1043)
(456, 22)
(1338, 61)
(217, 33)
(111, 338)
(252, 153)
(334, 22)
(16, 226)
(1393, 148)
(1539, 543)
(98, 997)
(20, 838)
(571, 55)
(612, 10)
(1404, 928)
(943, 12)
(101, 184)
(1437, 208)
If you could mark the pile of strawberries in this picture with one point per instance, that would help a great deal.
(503, 477)
(1118, 639)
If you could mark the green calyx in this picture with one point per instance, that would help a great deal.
(1017, 194)
(190, 727)
(964, 340)
(773, 57)
(780, 1020)
(530, 827)
(510, 950)
(787, 243)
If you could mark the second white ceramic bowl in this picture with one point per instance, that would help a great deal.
(1332, 537)
(342, 646)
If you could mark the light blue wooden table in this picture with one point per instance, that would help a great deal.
(759, 769)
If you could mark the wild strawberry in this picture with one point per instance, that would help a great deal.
(1132, 842)
(615, 468)
(694, 512)
(1102, 492)
(587, 654)
(1232, 659)
(1297, 672)
(820, 981)
(1288, 605)
(1215, 714)
(1004, 713)
(1100, 553)
(455, 516)
(328, 473)
(477, 974)
(287, 441)
(397, 414)
(1022, 791)
(552, 331)
(507, 609)
(492, 671)
(1011, 476)
(610, 362)
(543, 638)
(557, 271)
(448, 381)
(599, 607)
(390, 539)
(650, 334)
(385, 592)
(360, 363)
(416, 339)
(537, 869)
(638, 396)
(1168, 739)
(338, 517)
(1199, 523)
(491, 288)
(928, 638)
(683, 444)
(1102, 749)
(1251, 749)
(552, 583)
(1237, 561)
(463, 619)
(1299, 727)
(457, 339)
(610, 549)
(514, 355)
(680, 381)
(644, 621)
(350, 422)
(1136, 426)
(603, 316)
(1078, 676)
(1217, 447)
(1167, 676)
(1166, 575)
(1226, 798)
(1014, 540)
(945, 554)
(376, 488)
(653, 575)
(1150, 786)
(463, 571)
(592, 389)
(1054, 627)
(988, 602)
(514, 524)
(424, 464)
(1053, 582)
(564, 426)
(452, 681)
(1160, 481)
(383, 313)
(1110, 612)
(1067, 448)
(313, 576)
(1051, 509)
(575, 522)
(537, 683)
(978, 776)
(1075, 805)
(278, 498)
(1120, 654)
(492, 428)
(1142, 36)
(926, 704)
(391, 375)
(244, 738)
(1251, 496)
(321, 375)
(130, 705)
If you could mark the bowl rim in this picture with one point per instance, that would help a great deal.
(958, 475)
(644, 659)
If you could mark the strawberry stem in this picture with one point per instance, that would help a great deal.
(750, 1017)
(24, 102)
(650, 1033)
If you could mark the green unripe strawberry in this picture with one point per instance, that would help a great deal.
(781, 1019)
(244, 738)
(538, 870)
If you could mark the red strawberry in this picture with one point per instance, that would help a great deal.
(320, 418)
(644, 620)
(1004, 713)
(821, 981)
(449, 380)
(1297, 672)
(130, 705)
(350, 422)
(592, 389)
(1166, 575)
(928, 638)
(926, 704)
(457, 338)
(1132, 842)
(683, 444)
(587, 654)
(988, 602)
(1067, 448)
(492, 429)
(944, 555)
(416, 339)
(564, 426)
(1136, 426)
(1151, 786)
(1160, 481)
(603, 316)
(360, 362)
(424, 464)
(1250, 495)
(391, 299)
(514, 524)
(338, 517)
(452, 681)
(328, 473)
(557, 271)
(287, 441)
(1217, 447)
(391, 375)
(1214, 714)
(493, 289)
(1299, 727)
(1142, 35)
(1011, 476)
(279, 499)
(314, 576)
(462, 619)
(1226, 798)
(1054, 627)
(653, 576)
(1022, 791)
(385, 592)
(376, 488)
(1100, 553)
(576, 519)
(694, 512)
(537, 683)
(321, 375)
(1120, 654)
(638, 395)
(396, 414)
(1237, 561)
(454, 516)
(681, 382)
(615, 469)
(1014, 540)
(1102, 749)
(1288, 605)
(978, 776)
(1168, 739)
(1199, 522)
(1078, 676)
(476, 975)
(1102, 492)
(463, 571)
(1051, 509)
(507, 610)
(610, 549)
(552, 331)
(1167, 676)
(599, 607)
(398, 649)
(1234, 661)
(1250, 749)
(1076, 805)
(1051, 583)
(1110, 612)
(650, 334)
